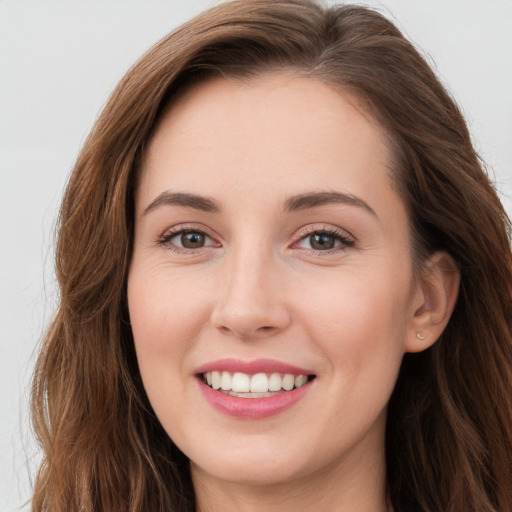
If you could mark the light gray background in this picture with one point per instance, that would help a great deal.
(58, 62)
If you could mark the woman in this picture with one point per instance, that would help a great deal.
(285, 280)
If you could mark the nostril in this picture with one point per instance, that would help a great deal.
(247, 322)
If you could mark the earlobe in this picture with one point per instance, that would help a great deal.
(435, 298)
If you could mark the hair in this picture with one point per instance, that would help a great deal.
(449, 427)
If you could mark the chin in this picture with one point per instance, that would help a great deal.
(253, 473)
(255, 465)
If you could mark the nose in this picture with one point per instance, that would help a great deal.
(251, 299)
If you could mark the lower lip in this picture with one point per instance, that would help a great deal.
(253, 408)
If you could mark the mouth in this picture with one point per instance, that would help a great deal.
(253, 390)
(257, 385)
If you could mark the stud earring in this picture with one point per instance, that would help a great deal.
(420, 336)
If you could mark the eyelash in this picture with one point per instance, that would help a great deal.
(345, 240)
(165, 239)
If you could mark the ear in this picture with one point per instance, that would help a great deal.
(434, 299)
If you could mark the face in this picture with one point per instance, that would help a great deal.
(271, 291)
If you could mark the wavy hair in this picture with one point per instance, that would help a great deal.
(449, 428)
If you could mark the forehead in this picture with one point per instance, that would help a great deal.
(277, 129)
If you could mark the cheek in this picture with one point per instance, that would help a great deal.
(359, 319)
(162, 309)
(166, 320)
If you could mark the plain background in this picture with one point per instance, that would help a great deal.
(59, 60)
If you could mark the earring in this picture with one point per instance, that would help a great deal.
(420, 336)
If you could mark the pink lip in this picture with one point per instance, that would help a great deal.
(252, 367)
(253, 408)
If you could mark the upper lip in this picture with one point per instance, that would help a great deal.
(252, 367)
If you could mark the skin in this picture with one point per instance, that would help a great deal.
(259, 289)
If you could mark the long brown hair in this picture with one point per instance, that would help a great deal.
(449, 431)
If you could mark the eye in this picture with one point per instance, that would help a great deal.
(190, 240)
(187, 239)
(322, 241)
(326, 240)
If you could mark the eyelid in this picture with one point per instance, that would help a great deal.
(346, 238)
(323, 228)
(165, 238)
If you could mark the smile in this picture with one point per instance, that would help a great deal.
(255, 389)
(258, 385)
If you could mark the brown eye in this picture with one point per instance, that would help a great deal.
(326, 240)
(192, 240)
(322, 241)
(187, 240)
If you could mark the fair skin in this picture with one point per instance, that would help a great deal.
(296, 251)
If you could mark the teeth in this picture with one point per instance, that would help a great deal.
(288, 382)
(274, 383)
(259, 383)
(300, 380)
(255, 384)
(225, 381)
(216, 376)
(240, 383)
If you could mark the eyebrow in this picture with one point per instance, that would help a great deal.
(313, 200)
(295, 203)
(202, 203)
